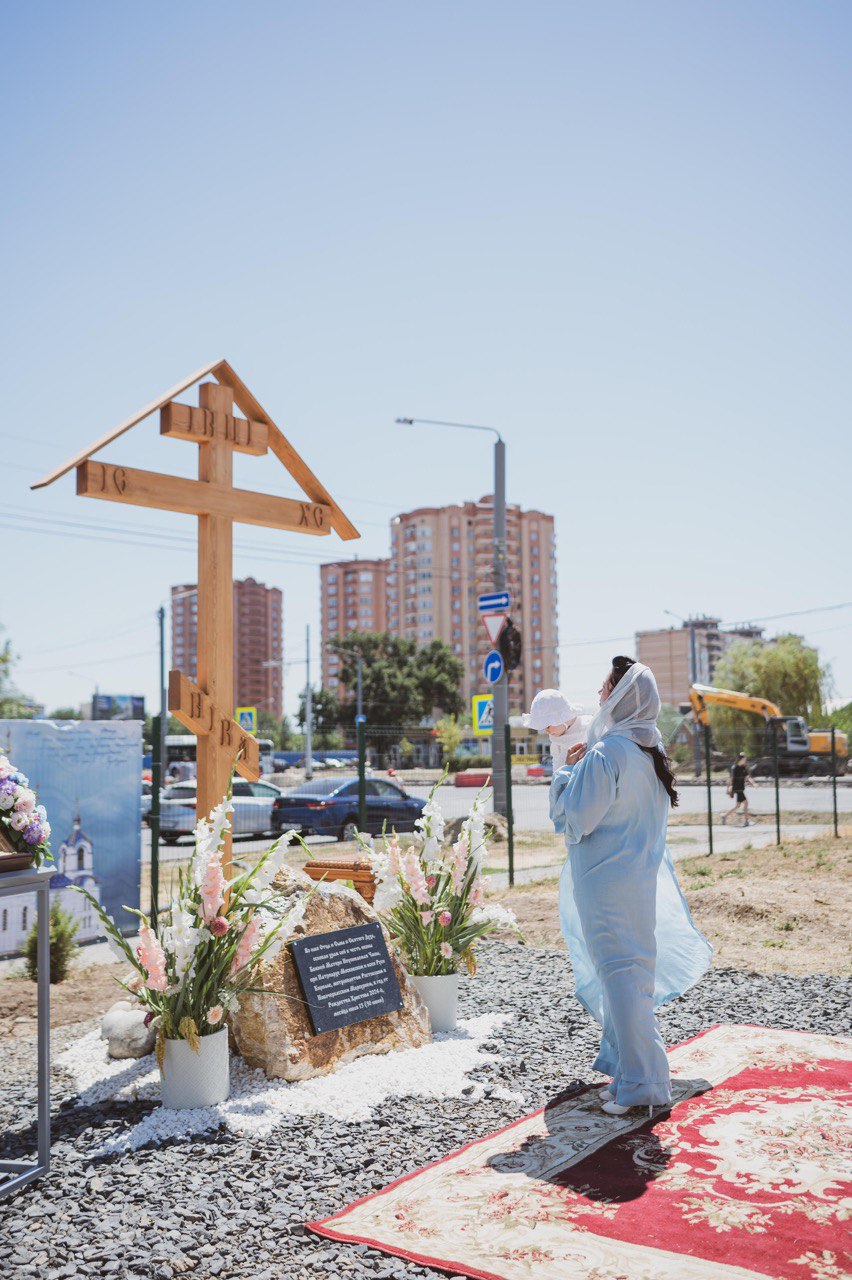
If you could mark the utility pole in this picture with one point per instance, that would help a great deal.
(309, 708)
(499, 761)
(360, 693)
(164, 711)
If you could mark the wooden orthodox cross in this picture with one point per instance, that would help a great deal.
(205, 706)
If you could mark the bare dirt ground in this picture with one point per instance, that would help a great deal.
(88, 992)
(773, 910)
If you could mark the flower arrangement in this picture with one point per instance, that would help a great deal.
(23, 821)
(193, 962)
(431, 896)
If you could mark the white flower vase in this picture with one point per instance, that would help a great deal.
(199, 1079)
(440, 994)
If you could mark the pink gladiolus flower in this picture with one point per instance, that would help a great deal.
(427, 916)
(215, 1015)
(152, 957)
(212, 889)
(477, 893)
(446, 951)
(246, 945)
(445, 918)
(219, 927)
(393, 857)
(460, 855)
(412, 873)
(431, 881)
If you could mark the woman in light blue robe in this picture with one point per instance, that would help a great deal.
(632, 941)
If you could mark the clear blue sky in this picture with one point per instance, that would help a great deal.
(618, 232)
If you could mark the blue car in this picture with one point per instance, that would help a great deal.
(329, 807)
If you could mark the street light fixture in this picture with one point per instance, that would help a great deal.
(500, 765)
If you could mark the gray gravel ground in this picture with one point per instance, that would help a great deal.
(231, 1207)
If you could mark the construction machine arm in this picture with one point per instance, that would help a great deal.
(702, 695)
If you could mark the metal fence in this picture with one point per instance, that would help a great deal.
(785, 800)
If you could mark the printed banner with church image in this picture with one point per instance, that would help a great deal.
(88, 775)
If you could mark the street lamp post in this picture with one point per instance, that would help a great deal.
(500, 690)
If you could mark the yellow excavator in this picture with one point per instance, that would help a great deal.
(802, 752)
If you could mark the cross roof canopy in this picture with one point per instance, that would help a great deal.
(250, 406)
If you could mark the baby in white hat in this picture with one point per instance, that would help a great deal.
(564, 723)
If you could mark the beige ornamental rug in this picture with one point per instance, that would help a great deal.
(746, 1175)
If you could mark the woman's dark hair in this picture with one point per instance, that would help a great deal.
(662, 764)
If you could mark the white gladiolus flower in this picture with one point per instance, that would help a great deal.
(180, 939)
(494, 913)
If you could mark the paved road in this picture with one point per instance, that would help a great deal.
(531, 802)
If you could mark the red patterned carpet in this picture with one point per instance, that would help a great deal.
(748, 1175)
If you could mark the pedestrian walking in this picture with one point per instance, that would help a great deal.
(739, 780)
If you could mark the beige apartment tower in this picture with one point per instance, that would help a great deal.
(352, 598)
(442, 559)
(671, 652)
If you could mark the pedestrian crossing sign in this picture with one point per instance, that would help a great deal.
(483, 713)
(246, 718)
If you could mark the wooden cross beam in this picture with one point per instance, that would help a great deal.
(200, 715)
(206, 707)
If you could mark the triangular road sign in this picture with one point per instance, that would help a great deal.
(494, 624)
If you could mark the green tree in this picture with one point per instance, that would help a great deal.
(786, 671)
(840, 718)
(11, 699)
(440, 675)
(400, 683)
(450, 734)
(325, 709)
(63, 948)
(65, 713)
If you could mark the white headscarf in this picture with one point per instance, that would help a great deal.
(631, 709)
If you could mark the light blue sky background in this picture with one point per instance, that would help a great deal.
(617, 231)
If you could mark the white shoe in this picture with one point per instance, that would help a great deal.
(606, 1094)
(613, 1109)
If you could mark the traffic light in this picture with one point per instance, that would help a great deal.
(510, 645)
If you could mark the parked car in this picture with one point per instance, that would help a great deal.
(252, 816)
(147, 796)
(329, 807)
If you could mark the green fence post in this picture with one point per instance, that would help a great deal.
(510, 815)
(709, 791)
(834, 778)
(361, 730)
(777, 783)
(156, 783)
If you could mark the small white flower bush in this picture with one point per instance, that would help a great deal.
(431, 896)
(204, 951)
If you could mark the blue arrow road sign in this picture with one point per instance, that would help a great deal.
(493, 667)
(494, 602)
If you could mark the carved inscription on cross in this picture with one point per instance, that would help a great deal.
(206, 707)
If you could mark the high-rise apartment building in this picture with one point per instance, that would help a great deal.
(669, 653)
(352, 598)
(442, 558)
(258, 641)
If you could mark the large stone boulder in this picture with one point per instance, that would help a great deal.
(123, 1027)
(274, 1032)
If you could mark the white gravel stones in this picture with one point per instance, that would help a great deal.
(257, 1105)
